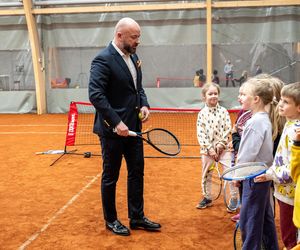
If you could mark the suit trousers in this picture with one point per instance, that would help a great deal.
(113, 150)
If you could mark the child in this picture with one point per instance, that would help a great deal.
(215, 77)
(213, 129)
(280, 172)
(256, 215)
(237, 129)
(295, 173)
(277, 122)
(243, 78)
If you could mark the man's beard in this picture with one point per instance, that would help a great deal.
(129, 49)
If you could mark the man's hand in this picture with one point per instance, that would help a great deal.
(121, 129)
(144, 113)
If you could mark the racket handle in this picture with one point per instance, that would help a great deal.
(131, 133)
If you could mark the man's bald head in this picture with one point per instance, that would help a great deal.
(127, 34)
(126, 23)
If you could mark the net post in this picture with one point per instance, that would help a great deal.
(71, 129)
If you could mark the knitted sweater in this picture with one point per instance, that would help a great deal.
(213, 127)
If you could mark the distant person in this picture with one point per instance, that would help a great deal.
(196, 80)
(200, 78)
(215, 77)
(116, 91)
(243, 78)
(258, 70)
(228, 70)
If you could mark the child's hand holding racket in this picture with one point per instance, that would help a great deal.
(213, 154)
(234, 129)
(262, 178)
(219, 149)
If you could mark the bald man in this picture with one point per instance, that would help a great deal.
(116, 91)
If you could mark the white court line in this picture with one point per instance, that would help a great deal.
(32, 125)
(15, 133)
(60, 211)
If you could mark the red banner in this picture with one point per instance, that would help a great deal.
(72, 125)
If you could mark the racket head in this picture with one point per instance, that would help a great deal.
(241, 121)
(227, 197)
(237, 237)
(163, 141)
(213, 182)
(244, 171)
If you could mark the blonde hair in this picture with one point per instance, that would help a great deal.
(261, 88)
(277, 121)
(292, 91)
(206, 86)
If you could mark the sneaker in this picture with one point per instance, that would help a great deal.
(236, 217)
(204, 203)
(233, 203)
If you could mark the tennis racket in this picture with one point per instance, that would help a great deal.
(241, 121)
(232, 203)
(244, 171)
(160, 139)
(213, 182)
(237, 237)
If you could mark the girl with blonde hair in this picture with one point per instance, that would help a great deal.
(256, 215)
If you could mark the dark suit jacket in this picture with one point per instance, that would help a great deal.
(113, 94)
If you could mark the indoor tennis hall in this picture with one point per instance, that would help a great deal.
(50, 185)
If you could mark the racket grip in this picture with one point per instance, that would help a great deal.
(131, 133)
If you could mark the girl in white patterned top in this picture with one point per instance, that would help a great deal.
(213, 131)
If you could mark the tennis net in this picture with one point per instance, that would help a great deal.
(181, 122)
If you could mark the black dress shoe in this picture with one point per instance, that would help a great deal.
(144, 223)
(117, 228)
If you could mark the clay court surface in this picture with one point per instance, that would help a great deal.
(59, 207)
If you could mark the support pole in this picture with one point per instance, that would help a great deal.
(36, 58)
(208, 40)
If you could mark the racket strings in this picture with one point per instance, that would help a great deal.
(164, 141)
(244, 171)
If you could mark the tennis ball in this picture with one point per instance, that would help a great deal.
(141, 116)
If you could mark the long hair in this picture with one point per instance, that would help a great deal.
(277, 121)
